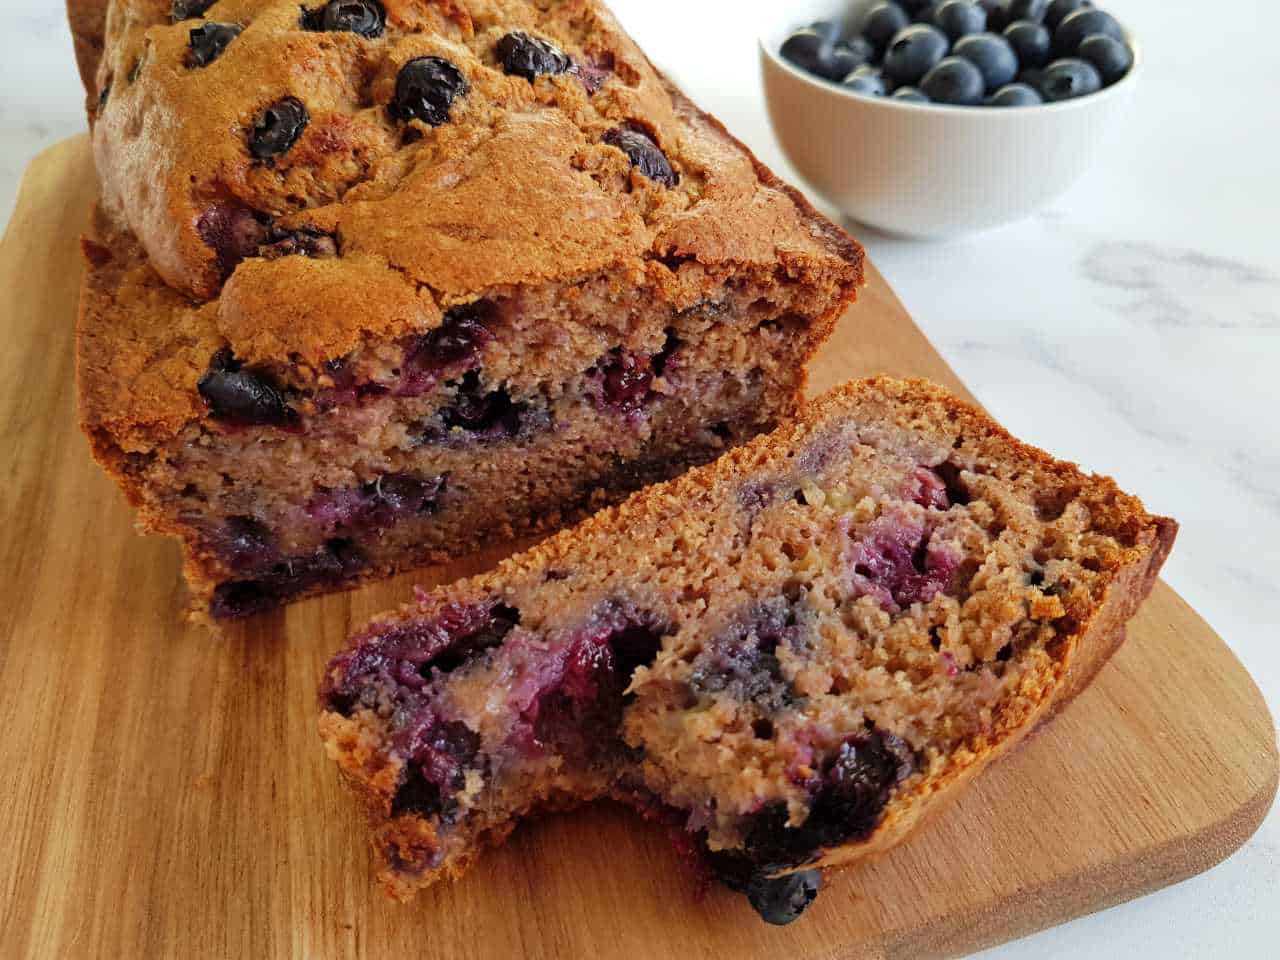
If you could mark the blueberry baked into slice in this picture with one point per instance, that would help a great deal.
(787, 657)
(374, 284)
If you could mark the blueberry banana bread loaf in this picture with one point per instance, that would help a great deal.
(788, 657)
(373, 283)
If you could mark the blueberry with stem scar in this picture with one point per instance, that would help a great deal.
(426, 89)
(365, 18)
(207, 42)
(278, 128)
(781, 900)
(522, 55)
(645, 155)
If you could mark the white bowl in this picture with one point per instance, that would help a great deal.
(922, 170)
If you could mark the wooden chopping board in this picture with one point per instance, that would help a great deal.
(165, 793)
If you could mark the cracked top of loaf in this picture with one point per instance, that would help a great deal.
(301, 177)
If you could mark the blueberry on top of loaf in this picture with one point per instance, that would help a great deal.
(442, 151)
(788, 657)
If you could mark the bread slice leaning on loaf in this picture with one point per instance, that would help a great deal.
(790, 656)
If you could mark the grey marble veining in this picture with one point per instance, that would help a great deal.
(1180, 287)
(1134, 326)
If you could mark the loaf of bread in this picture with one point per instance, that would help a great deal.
(790, 656)
(374, 282)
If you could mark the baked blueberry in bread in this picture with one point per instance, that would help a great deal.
(789, 657)
(374, 282)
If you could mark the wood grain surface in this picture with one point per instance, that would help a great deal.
(164, 792)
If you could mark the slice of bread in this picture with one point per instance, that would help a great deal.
(791, 656)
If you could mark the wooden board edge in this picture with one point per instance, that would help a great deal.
(1146, 870)
(1068, 898)
(26, 197)
(951, 380)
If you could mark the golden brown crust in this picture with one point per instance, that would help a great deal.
(88, 21)
(136, 389)
(836, 240)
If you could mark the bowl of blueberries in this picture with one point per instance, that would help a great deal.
(933, 119)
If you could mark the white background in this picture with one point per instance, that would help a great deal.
(1134, 326)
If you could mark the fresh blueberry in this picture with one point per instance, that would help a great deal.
(1015, 95)
(1084, 23)
(188, 9)
(992, 55)
(1112, 57)
(426, 89)
(243, 397)
(531, 57)
(366, 18)
(927, 13)
(882, 21)
(780, 900)
(914, 6)
(846, 58)
(866, 80)
(1031, 78)
(807, 49)
(959, 18)
(954, 80)
(997, 14)
(645, 155)
(915, 51)
(861, 47)
(1030, 41)
(278, 128)
(1069, 78)
(208, 41)
(1033, 10)
(1059, 10)
(829, 30)
(910, 95)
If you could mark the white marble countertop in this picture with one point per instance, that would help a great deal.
(1134, 326)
